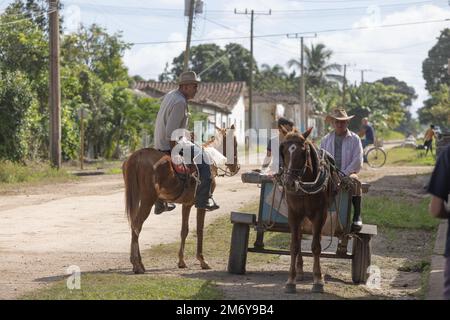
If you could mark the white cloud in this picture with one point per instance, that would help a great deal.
(149, 60)
(405, 63)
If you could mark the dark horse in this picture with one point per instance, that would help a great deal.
(149, 175)
(307, 184)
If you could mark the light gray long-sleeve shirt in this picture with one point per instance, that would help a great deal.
(351, 152)
(173, 114)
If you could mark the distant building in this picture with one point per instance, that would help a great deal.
(268, 107)
(226, 103)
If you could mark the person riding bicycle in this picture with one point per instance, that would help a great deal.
(346, 148)
(172, 116)
(368, 133)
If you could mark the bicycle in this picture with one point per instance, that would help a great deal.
(374, 156)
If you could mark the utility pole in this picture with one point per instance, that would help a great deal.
(344, 85)
(362, 74)
(81, 138)
(189, 34)
(250, 81)
(55, 90)
(303, 108)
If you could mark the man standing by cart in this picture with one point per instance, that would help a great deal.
(346, 148)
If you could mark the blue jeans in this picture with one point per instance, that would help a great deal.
(366, 142)
(204, 188)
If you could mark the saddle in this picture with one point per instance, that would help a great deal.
(181, 169)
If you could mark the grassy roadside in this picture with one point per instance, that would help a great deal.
(408, 157)
(104, 286)
(392, 216)
(389, 135)
(13, 175)
(108, 166)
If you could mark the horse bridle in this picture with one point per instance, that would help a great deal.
(305, 187)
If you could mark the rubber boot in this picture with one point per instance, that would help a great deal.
(357, 221)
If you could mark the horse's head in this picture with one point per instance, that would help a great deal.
(226, 142)
(294, 152)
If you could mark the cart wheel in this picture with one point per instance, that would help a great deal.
(238, 250)
(362, 254)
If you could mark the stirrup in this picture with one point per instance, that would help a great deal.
(162, 206)
(213, 206)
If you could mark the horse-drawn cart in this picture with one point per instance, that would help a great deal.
(272, 216)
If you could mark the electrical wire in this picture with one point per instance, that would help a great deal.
(307, 32)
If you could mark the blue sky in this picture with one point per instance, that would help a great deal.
(387, 51)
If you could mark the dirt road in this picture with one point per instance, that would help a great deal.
(47, 229)
(44, 230)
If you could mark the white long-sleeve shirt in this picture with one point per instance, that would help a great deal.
(172, 115)
(352, 151)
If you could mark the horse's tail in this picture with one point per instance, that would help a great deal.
(132, 192)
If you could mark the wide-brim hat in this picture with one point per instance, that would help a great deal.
(338, 114)
(188, 77)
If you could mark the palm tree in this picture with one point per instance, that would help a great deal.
(274, 78)
(317, 68)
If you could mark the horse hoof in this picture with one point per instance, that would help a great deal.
(139, 270)
(182, 265)
(290, 288)
(205, 266)
(317, 288)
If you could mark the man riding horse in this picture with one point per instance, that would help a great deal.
(346, 148)
(172, 116)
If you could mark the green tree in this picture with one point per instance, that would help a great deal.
(24, 49)
(325, 98)
(407, 124)
(214, 64)
(401, 87)
(380, 103)
(207, 58)
(435, 66)
(239, 58)
(275, 79)
(101, 52)
(437, 108)
(100, 82)
(17, 110)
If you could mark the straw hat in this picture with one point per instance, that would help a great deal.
(188, 77)
(338, 114)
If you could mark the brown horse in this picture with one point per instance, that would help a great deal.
(307, 184)
(148, 176)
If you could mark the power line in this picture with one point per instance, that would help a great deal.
(340, 8)
(25, 19)
(124, 10)
(268, 43)
(306, 32)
